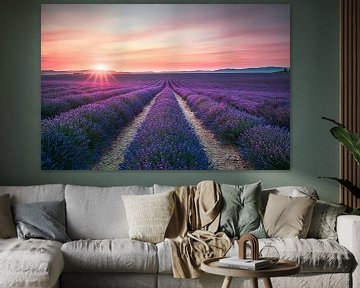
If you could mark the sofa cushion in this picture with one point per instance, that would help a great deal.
(149, 215)
(98, 213)
(164, 257)
(287, 216)
(323, 222)
(7, 226)
(43, 220)
(30, 263)
(117, 255)
(291, 191)
(313, 255)
(36, 193)
(240, 210)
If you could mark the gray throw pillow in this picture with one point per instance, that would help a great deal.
(240, 213)
(7, 227)
(44, 220)
(323, 222)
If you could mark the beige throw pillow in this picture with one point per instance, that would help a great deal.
(149, 215)
(288, 217)
(7, 226)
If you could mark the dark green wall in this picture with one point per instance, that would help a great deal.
(314, 93)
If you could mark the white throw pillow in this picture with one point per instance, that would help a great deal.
(149, 215)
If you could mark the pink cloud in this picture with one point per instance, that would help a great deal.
(217, 38)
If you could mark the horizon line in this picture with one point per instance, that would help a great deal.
(166, 71)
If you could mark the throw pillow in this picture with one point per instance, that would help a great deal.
(7, 227)
(240, 213)
(44, 220)
(149, 215)
(288, 217)
(323, 222)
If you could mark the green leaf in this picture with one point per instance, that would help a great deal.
(355, 211)
(333, 121)
(347, 184)
(349, 139)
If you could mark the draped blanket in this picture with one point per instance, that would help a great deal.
(191, 231)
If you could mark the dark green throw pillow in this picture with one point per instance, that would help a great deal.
(240, 213)
(43, 220)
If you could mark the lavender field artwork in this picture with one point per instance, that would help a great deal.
(165, 87)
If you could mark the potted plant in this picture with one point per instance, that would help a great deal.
(351, 141)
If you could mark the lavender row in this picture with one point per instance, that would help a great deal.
(266, 147)
(274, 107)
(76, 139)
(54, 92)
(242, 99)
(266, 82)
(165, 140)
(225, 121)
(63, 88)
(230, 125)
(53, 107)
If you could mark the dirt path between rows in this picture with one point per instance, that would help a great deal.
(115, 154)
(221, 156)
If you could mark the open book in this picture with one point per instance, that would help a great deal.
(236, 262)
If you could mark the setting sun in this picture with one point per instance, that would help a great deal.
(101, 67)
(101, 75)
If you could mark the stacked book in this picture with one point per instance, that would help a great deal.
(248, 264)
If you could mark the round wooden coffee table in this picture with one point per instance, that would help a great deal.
(281, 268)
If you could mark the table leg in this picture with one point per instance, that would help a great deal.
(227, 282)
(267, 283)
(254, 282)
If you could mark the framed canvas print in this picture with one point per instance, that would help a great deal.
(165, 86)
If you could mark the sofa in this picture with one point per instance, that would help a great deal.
(100, 253)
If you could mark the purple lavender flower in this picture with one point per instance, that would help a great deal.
(165, 140)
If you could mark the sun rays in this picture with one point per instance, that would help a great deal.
(101, 75)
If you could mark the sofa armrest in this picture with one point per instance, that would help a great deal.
(348, 230)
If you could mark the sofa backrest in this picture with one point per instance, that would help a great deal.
(36, 193)
(162, 188)
(98, 212)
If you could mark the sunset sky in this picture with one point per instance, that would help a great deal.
(159, 37)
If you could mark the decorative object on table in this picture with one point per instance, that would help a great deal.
(241, 261)
(254, 246)
(270, 253)
(351, 142)
(248, 264)
(165, 87)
